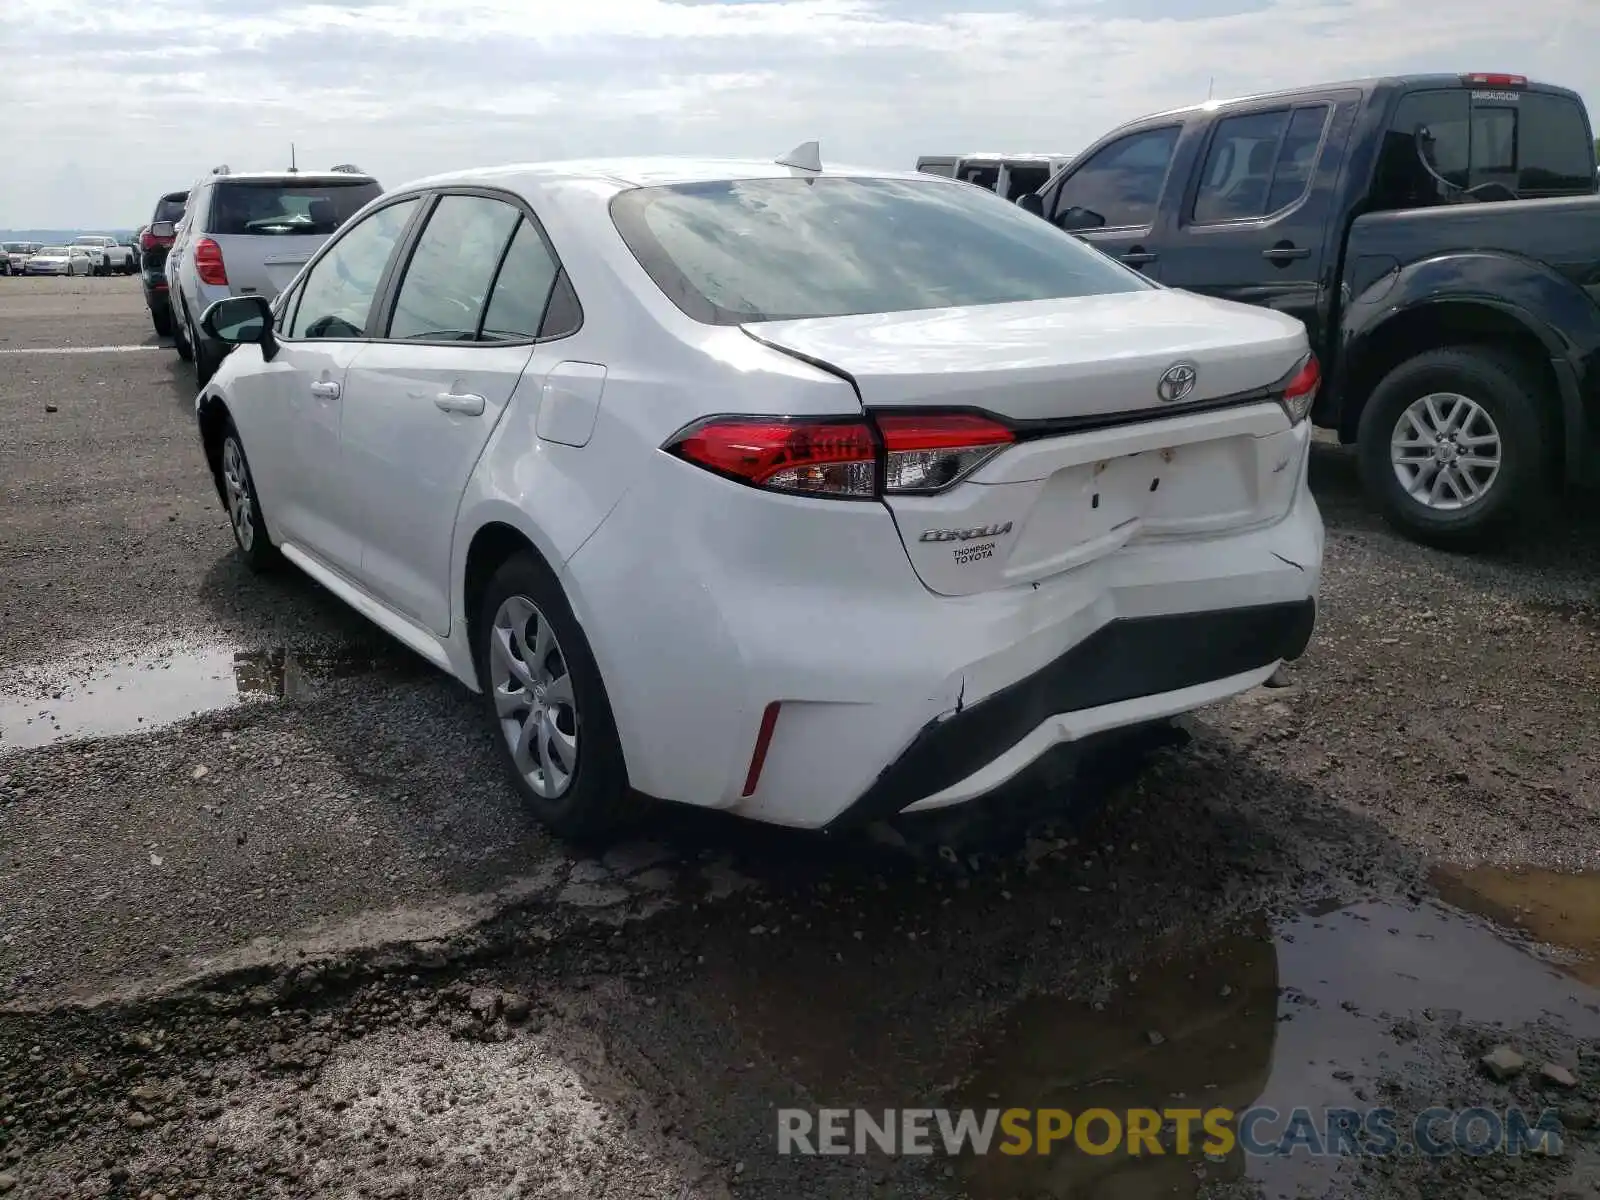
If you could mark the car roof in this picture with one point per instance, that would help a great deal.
(316, 177)
(1001, 156)
(624, 173)
(1366, 84)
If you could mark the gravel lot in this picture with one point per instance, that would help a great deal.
(270, 924)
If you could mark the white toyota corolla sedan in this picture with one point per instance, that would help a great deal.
(816, 495)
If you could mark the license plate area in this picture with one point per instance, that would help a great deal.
(1087, 510)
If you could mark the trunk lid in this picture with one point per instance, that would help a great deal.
(1041, 359)
(263, 265)
(1104, 457)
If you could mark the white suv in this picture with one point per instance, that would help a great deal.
(248, 235)
(813, 495)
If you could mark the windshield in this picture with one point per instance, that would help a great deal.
(285, 208)
(14, 247)
(729, 252)
(53, 250)
(90, 241)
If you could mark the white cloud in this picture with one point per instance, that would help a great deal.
(110, 102)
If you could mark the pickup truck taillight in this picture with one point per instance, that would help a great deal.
(208, 263)
(149, 241)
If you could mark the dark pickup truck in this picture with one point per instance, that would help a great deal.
(1440, 238)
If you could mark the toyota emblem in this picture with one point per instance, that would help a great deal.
(1176, 382)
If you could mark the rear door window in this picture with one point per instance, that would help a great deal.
(1121, 185)
(522, 290)
(446, 283)
(274, 208)
(1259, 163)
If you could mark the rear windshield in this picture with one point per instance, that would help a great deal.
(730, 252)
(170, 208)
(284, 208)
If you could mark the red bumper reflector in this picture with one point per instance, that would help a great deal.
(769, 722)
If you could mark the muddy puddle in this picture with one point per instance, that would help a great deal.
(1317, 1013)
(1370, 1005)
(131, 692)
(1558, 911)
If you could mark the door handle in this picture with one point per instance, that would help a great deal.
(325, 389)
(1285, 253)
(1138, 258)
(469, 403)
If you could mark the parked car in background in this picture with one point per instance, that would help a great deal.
(249, 235)
(13, 255)
(114, 257)
(154, 241)
(947, 488)
(1011, 176)
(1438, 235)
(59, 260)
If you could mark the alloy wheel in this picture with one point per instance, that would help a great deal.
(533, 697)
(1446, 451)
(236, 487)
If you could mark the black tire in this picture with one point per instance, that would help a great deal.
(208, 356)
(597, 802)
(249, 528)
(161, 319)
(180, 330)
(1512, 396)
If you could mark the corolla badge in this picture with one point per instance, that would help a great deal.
(965, 535)
(1176, 382)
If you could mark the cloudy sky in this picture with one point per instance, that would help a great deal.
(107, 103)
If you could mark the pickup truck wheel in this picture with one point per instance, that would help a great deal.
(1452, 445)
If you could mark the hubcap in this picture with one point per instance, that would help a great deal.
(533, 697)
(236, 485)
(1446, 451)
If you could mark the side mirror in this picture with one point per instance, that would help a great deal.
(1076, 217)
(161, 229)
(1033, 203)
(237, 320)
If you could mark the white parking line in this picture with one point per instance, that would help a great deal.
(78, 349)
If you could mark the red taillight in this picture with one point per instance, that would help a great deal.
(208, 263)
(147, 241)
(1300, 393)
(830, 457)
(844, 457)
(1492, 79)
(926, 453)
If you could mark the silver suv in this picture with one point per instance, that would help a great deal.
(249, 235)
